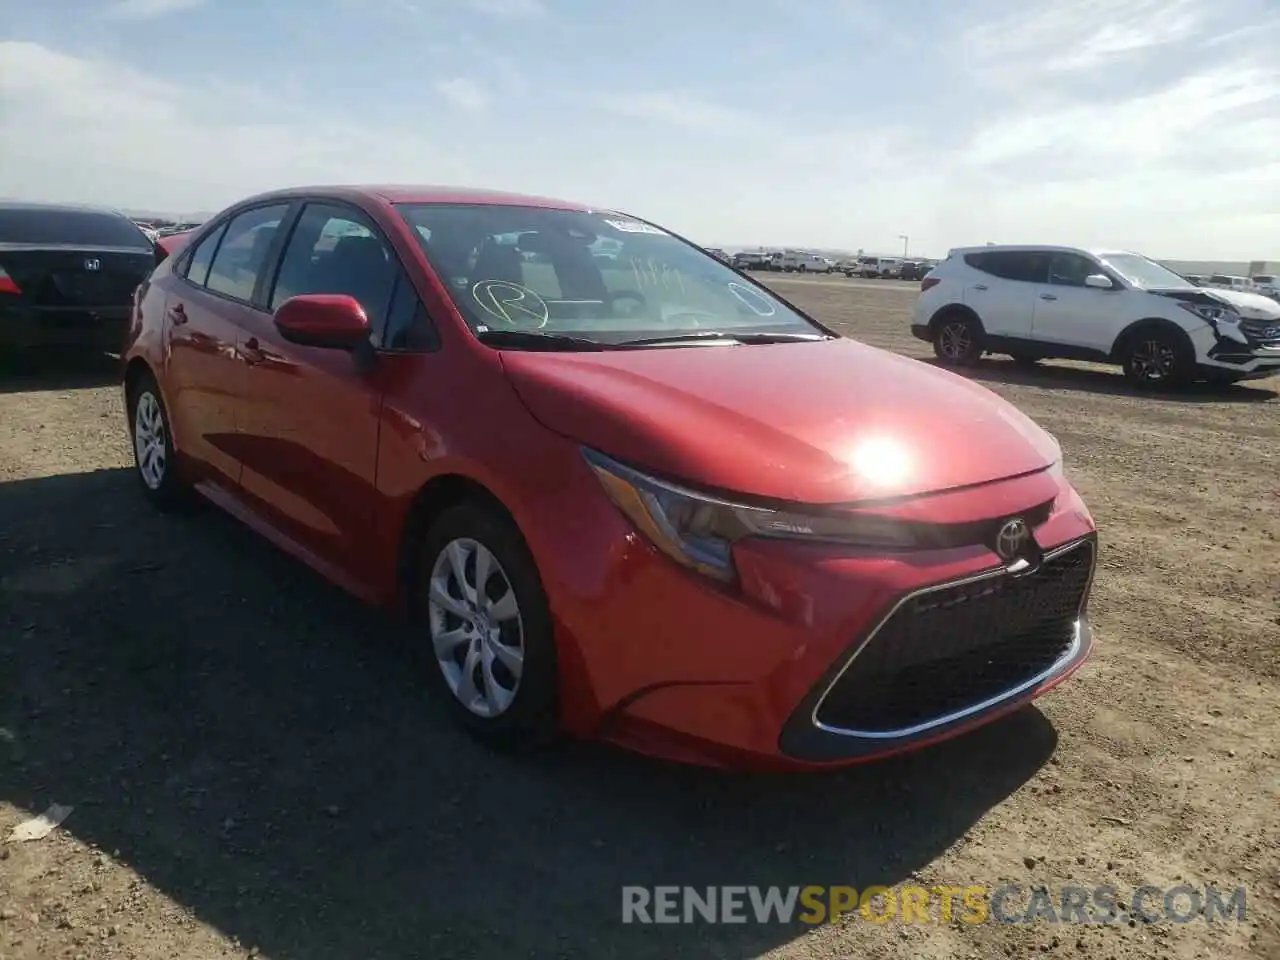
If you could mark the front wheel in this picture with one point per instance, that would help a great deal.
(1154, 359)
(484, 627)
(957, 340)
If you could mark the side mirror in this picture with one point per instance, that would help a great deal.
(331, 320)
(1099, 281)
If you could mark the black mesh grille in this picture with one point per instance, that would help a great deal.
(950, 649)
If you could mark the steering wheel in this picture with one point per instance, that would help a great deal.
(642, 305)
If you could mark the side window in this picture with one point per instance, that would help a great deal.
(1070, 269)
(408, 325)
(197, 268)
(334, 249)
(1026, 266)
(243, 253)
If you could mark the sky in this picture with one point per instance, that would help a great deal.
(1151, 125)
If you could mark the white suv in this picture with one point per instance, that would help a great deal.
(1035, 303)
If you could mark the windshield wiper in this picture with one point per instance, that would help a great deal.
(738, 336)
(530, 340)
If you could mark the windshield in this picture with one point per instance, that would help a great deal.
(1264, 278)
(1143, 273)
(596, 276)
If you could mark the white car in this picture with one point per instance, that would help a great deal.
(1035, 303)
(803, 263)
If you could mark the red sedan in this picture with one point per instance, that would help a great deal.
(619, 489)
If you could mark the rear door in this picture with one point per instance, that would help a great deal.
(210, 303)
(1001, 288)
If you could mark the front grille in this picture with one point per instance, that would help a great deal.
(945, 651)
(1262, 331)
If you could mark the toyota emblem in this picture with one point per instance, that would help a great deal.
(1012, 538)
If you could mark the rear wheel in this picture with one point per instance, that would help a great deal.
(1156, 359)
(154, 459)
(484, 627)
(957, 339)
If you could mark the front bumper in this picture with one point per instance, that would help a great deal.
(88, 327)
(662, 660)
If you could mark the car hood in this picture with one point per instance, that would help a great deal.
(1252, 306)
(831, 421)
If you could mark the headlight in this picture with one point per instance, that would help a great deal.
(1210, 313)
(699, 531)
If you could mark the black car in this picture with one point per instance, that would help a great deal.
(67, 275)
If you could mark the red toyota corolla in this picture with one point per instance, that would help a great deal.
(619, 489)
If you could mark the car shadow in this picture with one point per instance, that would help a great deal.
(243, 736)
(1105, 381)
(30, 371)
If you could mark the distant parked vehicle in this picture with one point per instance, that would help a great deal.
(718, 254)
(1267, 284)
(873, 267)
(68, 274)
(1194, 278)
(793, 262)
(752, 260)
(1225, 281)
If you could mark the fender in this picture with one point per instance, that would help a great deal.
(953, 309)
(1152, 323)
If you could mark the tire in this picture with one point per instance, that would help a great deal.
(155, 462)
(511, 698)
(1156, 359)
(957, 339)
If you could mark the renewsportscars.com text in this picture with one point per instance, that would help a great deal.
(976, 903)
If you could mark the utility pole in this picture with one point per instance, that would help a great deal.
(905, 241)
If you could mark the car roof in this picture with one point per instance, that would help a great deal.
(425, 194)
(1053, 248)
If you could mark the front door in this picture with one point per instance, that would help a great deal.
(1071, 314)
(309, 417)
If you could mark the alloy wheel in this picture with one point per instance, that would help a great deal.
(955, 341)
(1154, 361)
(149, 444)
(477, 633)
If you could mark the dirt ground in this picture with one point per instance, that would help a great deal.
(254, 773)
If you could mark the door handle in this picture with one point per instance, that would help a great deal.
(1048, 296)
(251, 352)
(979, 286)
(177, 315)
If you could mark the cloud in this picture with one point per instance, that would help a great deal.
(676, 109)
(464, 94)
(1076, 35)
(1218, 121)
(508, 8)
(148, 9)
(79, 129)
